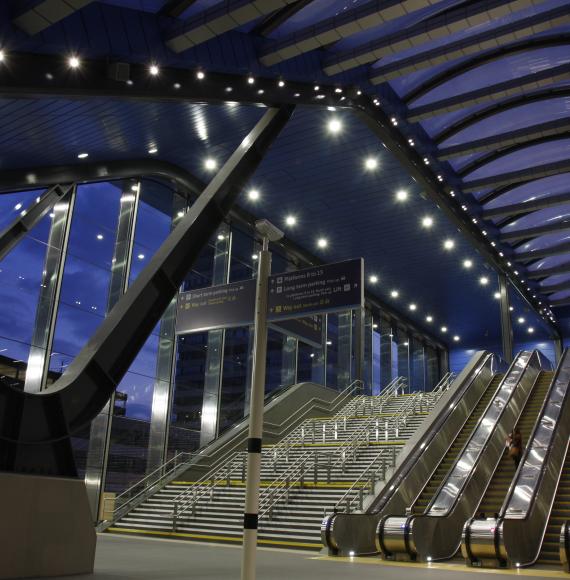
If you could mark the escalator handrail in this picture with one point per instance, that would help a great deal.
(392, 485)
(467, 479)
(519, 473)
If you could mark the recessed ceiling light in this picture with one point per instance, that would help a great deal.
(334, 126)
(456, 338)
(467, 264)
(413, 307)
(250, 80)
(2, 55)
(449, 244)
(180, 214)
(154, 70)
(322, 243)
(281, 83)
(371, 163)
(374, 326)
(83, 156)
(253, 194)
(18, 206)
(74, 62)
(99, 236)
(429, 318)
(254, 256)
(521, 320)
(401, 195)
(140, 256)
(394, 294)
(511, 308)
(530, 329)
(221, 237)
(483, 280)
(443, 329)
(427, 222)
(177, 86)
(210, 164)
(153, 150)
(497, 295)
(200, 75)
(316, 87)
(290, 220)
(373, 279)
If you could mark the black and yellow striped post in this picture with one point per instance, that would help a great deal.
(251, 510)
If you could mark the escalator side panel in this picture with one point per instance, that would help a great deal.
(437, 534)
(345, 533)
(533, 497)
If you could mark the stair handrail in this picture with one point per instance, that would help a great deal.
(174, 464)
(189, 497)
(369, 477)
(293, 475)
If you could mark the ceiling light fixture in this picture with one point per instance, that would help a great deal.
(250, 80)
(153, 150)
(371, 163)
(444, 329)
(456, 338)
(210, 164)
(483, 280)
(322, 243)
(83, 156)
(291, 220)
(253, 194)
(467, 264)
(394, 294)
(429, 318)
(373, 279)
(154, 70)
(74, 62)
(448, 244)
(334, 126)
(402, 195)
(427, 222)
(413, 307)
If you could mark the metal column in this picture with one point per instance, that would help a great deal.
(359, 329)
(506, 322)
(164, 385)
(216, 340)
(344, 372)
(48, 301)
(289, 361)
(100, 435)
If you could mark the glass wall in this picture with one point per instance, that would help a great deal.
(215, 365)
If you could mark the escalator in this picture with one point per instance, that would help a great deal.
(499, 485)
(549, 553)
(457, 487)
(433, 484)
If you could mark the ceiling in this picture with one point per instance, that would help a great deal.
(480, 89)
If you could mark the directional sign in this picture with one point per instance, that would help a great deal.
(295, 301)
(316, 290)
(224, 306)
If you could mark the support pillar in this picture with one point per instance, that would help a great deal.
(216, 340)
(344, 349)
(100, 435)
(359, 346)
(506, 322)
(289, 361)
(164, 384)
(48, 301)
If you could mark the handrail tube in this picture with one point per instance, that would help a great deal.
(189, 497)
(519, 531)
(565, 546)
(356, 533)
(436, 534)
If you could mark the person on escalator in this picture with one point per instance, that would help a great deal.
(514, 443)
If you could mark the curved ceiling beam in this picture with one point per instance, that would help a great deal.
(527, 233)
(557, 250)
(275, 20)
(552, 288)
(518, 177)
(501, 140)
(222, 17)
(484, 58)
(494, 92)
(439, 25)
(466, 46)
(547, 272)
(499, 191)
(18, 179)
(515, 209)
(503, 152)
(497, 108)
(345, 24)
(39, 15)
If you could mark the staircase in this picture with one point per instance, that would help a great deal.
(549, 553)
(499, 485)
(453, 452)
(302, 477)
